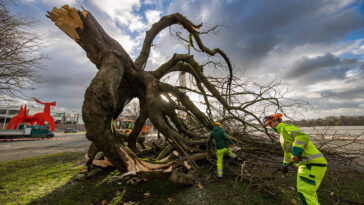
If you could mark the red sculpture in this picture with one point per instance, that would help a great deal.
(39, 118)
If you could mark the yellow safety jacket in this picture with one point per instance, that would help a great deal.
(295, 142)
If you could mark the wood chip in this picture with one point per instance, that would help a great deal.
(102, 163)
(169, 169)
(84, 170)
(185, 163)
(176, 153)
(127, 203)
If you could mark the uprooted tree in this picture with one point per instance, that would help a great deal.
(119, 79)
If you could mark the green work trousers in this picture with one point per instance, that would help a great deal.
(220, 156)
(309, 178)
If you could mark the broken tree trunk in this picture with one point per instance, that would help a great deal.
(109, 91)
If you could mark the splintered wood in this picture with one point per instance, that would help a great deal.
(68, 20)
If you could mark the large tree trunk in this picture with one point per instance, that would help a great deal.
(116, 83)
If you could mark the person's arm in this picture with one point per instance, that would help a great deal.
(287, 158)
(299, 143)
(287, 149)
(228, 138)
(286, 161)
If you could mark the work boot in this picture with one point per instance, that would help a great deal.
(219, 179)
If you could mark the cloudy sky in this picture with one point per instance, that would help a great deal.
(315, 48)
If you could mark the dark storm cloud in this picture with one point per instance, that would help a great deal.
(326, 103)
(350, 61)
(256, 33)
(256, 28)
(321, 28)
(352, 94)
(323, 105)
(307, 71)
(257, 47)
(253, 31)
(349, 94)
(306, 65)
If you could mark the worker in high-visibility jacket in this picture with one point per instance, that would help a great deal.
(222, 144)
(298, 148)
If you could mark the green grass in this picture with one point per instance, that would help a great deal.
(25, 180)
(44, 180)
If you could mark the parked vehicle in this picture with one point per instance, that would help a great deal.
(70, 130)
(24, 131)
(128, 125)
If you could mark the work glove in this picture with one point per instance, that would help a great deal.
(296, 159)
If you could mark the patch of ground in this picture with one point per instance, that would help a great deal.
(45, 180)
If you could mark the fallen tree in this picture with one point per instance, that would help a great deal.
(231, 100)
(120, 79)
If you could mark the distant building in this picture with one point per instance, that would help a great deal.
(7, 112)
(65, 118)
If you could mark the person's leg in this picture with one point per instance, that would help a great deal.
(317, 173)
(230, 153)
(220, 157)
(308, 181)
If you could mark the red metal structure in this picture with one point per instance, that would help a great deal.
(39, 118)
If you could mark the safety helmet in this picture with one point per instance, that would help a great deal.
(270, 118)
(218, 124)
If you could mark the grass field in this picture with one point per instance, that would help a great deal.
(44, 180)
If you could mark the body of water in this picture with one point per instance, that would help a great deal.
(344, 131)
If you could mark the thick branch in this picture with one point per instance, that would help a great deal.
(184, 99)
(190, 27)
(163, 23)
(166, 67)
(170, 111)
